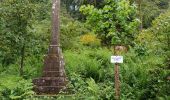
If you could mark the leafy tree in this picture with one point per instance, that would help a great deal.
(16, 36)
(148, 10)
(115, 23)
(157, 41)
(161, 30)
(73, 6)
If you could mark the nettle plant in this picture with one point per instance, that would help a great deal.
(114, 23)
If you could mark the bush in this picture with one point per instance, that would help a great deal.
(70, 32)
(142, 76)
(81, 63)
(90, 40)
(90, 73)
(13, 87)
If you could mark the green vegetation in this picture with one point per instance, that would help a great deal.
(87, 37)
(115, 23)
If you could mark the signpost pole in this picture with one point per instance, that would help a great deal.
(117, 59)
(117, 82)
(117, 50)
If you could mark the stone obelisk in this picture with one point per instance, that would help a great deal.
(53, 79)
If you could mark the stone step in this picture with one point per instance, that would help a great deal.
(48, 89)
(52, 59)
(47, 68)
(48, 81)
(53, 74)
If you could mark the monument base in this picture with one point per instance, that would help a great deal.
(49, 85)
(53, 79)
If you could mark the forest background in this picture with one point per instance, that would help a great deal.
(89, 30)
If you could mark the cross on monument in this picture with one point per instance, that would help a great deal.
(53, 79)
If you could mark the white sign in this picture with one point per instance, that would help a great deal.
(116, 59)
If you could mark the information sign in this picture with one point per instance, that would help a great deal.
(116, 59)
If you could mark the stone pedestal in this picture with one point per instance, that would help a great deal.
(53, 79)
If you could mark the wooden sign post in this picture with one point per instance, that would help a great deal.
(117, 82)
(116, 60)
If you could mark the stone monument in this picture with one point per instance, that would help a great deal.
(53, 79)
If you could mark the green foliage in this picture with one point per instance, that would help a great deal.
(16, 17)
(148, 6)
(148, 10)
(143, 75)
(70, 32)
(88, 63)
(17, 35)
(15, 88)
(161, 28)
(155, 40)
(115, 23)
(157, 37)
(90, 40)
(73, 6)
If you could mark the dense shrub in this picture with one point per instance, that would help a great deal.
(13, 87)
(85, 63)
(140, 75)
(70, 31)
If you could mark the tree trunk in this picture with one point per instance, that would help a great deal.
(168, 42)
(95, 3)
(140, 14)
(22, 60)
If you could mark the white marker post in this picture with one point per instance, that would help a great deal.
(116, 60)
